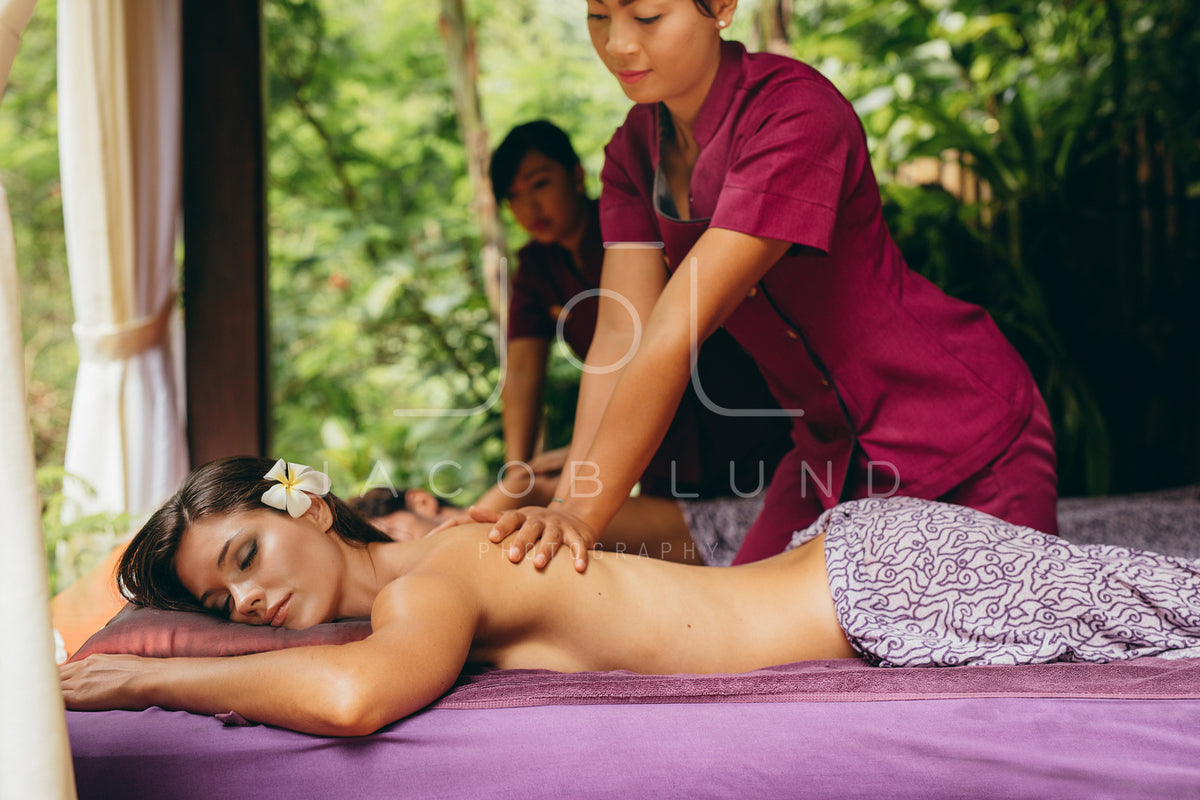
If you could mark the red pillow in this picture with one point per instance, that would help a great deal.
(163, 634)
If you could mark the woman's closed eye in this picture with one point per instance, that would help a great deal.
(248, 556)
(649, 20)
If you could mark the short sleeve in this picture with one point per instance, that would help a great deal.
(786, 177)
(528, 315)
(626, 208)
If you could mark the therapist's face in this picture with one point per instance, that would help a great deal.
(659, 50)
(548, 199)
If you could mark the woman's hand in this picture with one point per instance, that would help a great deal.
(541, 531)
(104, 682)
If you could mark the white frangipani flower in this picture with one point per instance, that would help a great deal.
(295, 482)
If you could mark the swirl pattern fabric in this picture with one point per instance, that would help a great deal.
(921, 583)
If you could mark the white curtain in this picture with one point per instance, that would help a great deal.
(119, 78)
(35, 758)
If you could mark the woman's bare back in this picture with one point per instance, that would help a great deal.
(634, 613)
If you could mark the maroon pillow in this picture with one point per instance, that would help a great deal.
(163, 634)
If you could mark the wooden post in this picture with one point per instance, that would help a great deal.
(224, 224)
(462, 61)
(773, 26)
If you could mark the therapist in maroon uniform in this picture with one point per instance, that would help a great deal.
(703, 488)
(751, 171)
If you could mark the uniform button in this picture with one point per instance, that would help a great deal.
(791, 334)
(825, 382)
(753, 291)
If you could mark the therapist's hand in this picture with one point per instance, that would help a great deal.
(542, 532)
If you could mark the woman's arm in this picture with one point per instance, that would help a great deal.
(524, 382)
(423, 629)
(622, 417)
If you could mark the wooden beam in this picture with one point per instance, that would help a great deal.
(224, 224)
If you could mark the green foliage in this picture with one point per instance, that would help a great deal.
(29, 173)
(72, 548)
(1042, 100)
(376, 294)
(377, 299)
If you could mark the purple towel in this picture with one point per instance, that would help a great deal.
(841, 680)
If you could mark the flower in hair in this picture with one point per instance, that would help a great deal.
(295, 481)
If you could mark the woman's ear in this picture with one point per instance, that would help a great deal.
(320, 512)
(421, 502)
(580, 186)
(723, 11)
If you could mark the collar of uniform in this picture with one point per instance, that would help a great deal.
(720, 94)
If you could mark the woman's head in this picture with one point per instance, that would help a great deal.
(403, 514)
(218, 515)
(661, 50)
(536, 171)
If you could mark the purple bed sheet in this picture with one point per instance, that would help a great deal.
(1127, 730)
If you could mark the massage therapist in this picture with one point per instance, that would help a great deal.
(750, 174)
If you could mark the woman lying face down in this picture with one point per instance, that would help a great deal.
(913, 583)
(435, 604)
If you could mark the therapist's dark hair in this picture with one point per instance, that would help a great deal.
(540, 135)
(146, 574)
(703, 7)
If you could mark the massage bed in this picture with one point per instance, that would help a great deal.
(824, 729)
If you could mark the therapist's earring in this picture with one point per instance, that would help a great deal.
(721, 23)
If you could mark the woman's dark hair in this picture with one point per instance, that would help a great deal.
(146, 574)
(382, 500)
(704, 8)
(540, 135)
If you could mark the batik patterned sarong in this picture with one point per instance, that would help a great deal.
(920, 583)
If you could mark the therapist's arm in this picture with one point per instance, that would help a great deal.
(524, 384)
(632, 280)
(622, 418)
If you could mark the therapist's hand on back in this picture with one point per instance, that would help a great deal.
(540, 532)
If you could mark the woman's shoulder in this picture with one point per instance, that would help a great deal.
(781, 99)
(762, 68)
(635, 134)
(455, 543)
(773, 82)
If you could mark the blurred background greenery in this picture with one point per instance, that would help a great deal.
(1039, 158)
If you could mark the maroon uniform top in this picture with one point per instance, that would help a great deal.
(696, 454)
(865, 351)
